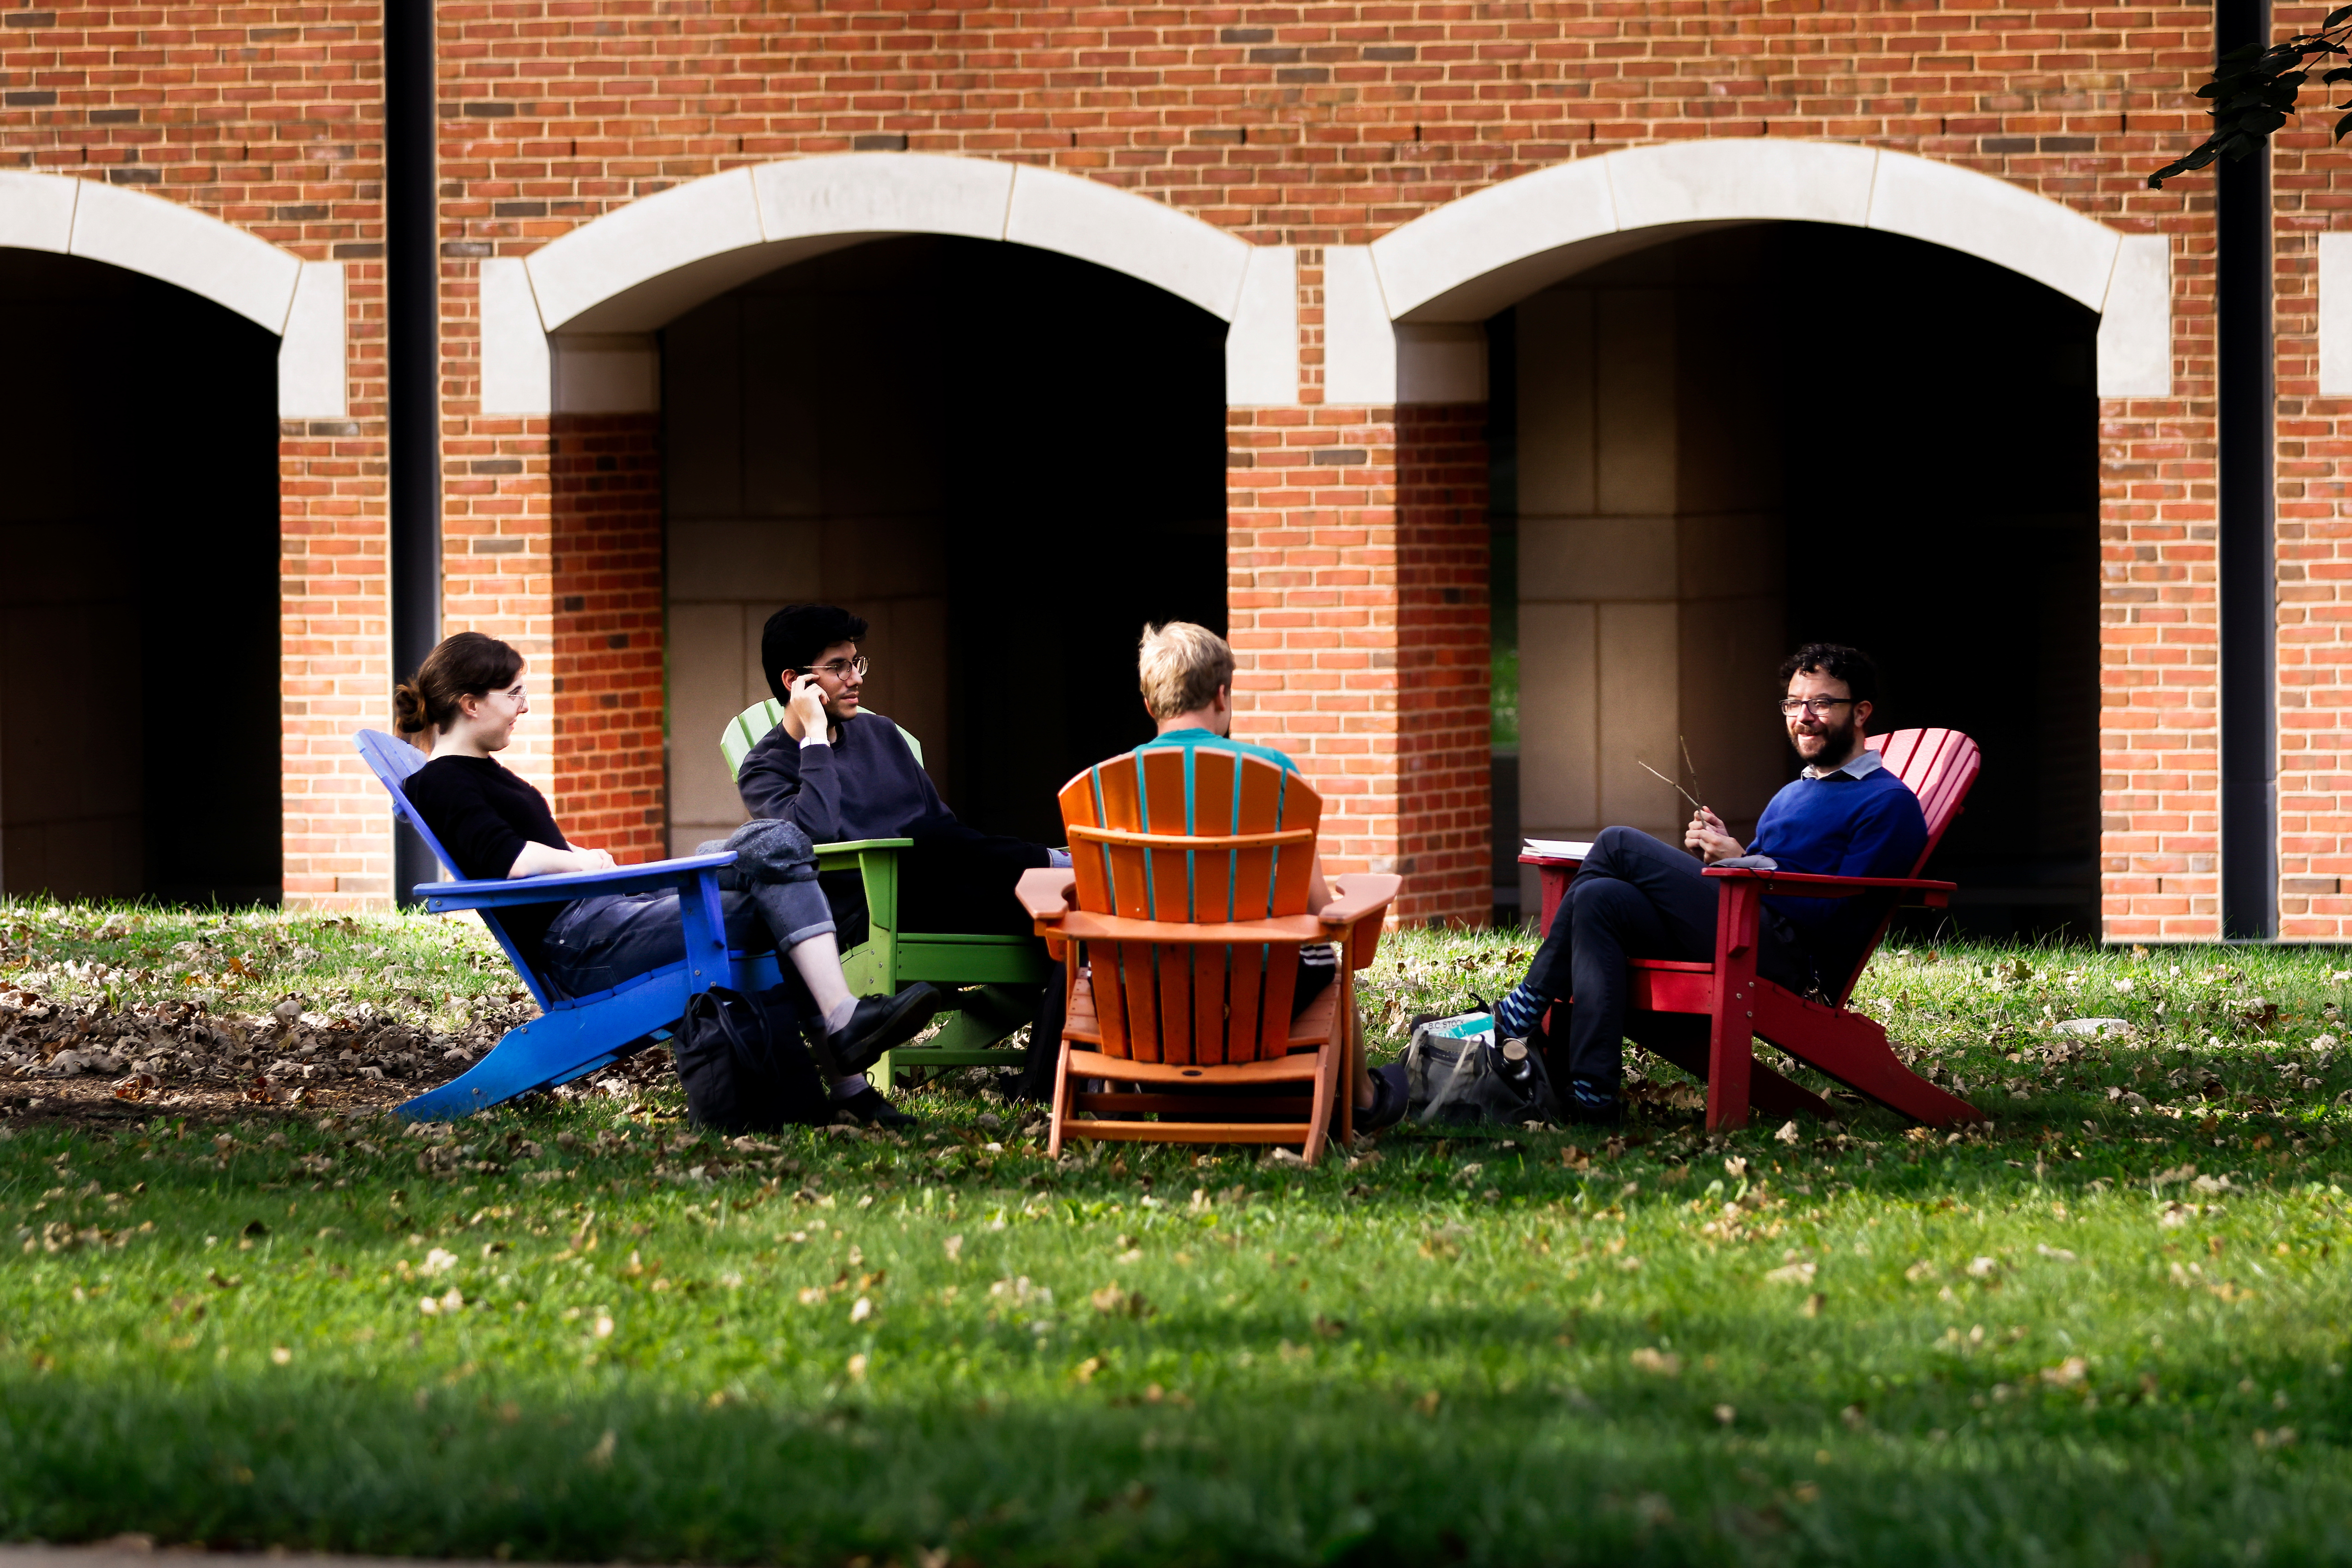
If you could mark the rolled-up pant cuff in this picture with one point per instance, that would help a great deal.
(792, 911)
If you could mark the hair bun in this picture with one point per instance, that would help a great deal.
(407, 708)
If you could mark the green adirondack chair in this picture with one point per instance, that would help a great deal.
(975, 967)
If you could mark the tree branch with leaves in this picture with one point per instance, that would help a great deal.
(2254, 90)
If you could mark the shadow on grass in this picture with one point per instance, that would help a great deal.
(1311, 1475)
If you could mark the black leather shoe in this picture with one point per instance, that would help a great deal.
(1391, 1095)
(869, 1106)
(881, 1024)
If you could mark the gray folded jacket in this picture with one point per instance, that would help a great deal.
(776, 865)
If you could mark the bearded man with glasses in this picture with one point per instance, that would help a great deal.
(1638, 897)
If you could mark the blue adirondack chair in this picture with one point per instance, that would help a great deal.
(573, 1035)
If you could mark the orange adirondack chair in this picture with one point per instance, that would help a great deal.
(1738, 1006)
(1187, 899)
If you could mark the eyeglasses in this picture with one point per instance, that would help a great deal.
(843, 669)
(1819, 706)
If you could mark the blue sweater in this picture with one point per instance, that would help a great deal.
(1840, 827)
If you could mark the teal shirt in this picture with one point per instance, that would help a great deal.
(1194, 739)
(1191, 743)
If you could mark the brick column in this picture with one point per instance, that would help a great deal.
(1342, 583)
(606, 669)
(335, 619)
(2161, 790)
(2309, 176)
(1444, 663)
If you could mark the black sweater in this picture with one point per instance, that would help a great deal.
(866, 784)
(483, 816)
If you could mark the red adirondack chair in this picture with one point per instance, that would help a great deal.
(1739, 1005)
(1188, 895)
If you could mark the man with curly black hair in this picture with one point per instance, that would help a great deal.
(1637, 896)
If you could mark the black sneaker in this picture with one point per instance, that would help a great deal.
(869, 1106)
(881, 1024)
(1590, 1103)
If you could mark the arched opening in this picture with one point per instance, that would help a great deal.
(1714, 449)
(1006, 459)
(139, 549)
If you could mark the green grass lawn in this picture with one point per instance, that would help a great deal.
(2111, 1330)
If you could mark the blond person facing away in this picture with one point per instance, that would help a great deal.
(496, 825)
(1186, 675)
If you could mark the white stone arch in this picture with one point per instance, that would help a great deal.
(565, 327)
(1398, 312)
(301, 301)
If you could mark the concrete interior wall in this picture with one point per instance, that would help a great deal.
(1649, 549)
(138, 638)
(1736, 442)
(1006, 460)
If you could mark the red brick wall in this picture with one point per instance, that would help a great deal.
(605, 675)
(1321, 124)
(1444, 662)
(1311, 603)
(268, 116)
(1306, 125)
(2312, 185)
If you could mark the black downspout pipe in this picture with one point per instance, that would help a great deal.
(2248, 522)
(412, 267)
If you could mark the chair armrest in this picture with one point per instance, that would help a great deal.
(1353, 915)
(1047, 893)
(849, 846)
(851, 853)
(1357, 894)
(443, 896)
(1813, 886)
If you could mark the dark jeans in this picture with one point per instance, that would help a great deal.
(596, 943)
(1635, 897)
(769, 898)
(951, 878)
(959, 880)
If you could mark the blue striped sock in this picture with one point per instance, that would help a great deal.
(1516, 1015)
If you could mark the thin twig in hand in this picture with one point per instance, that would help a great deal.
(1665, 780)
(1688, 766)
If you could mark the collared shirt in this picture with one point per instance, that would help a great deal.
(1864, 763)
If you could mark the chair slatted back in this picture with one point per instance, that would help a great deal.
(752, 725)
(392, 760)
(1940, 766)
(1192, 837)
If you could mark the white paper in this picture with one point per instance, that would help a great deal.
(1558, 848)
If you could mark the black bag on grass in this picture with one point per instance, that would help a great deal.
(1457, 1073)
(744, 1065)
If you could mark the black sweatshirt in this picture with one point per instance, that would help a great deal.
(483, 815)
(866, 784)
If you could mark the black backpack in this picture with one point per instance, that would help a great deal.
(744, 1065)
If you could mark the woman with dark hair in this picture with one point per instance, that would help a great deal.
(496, 825)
